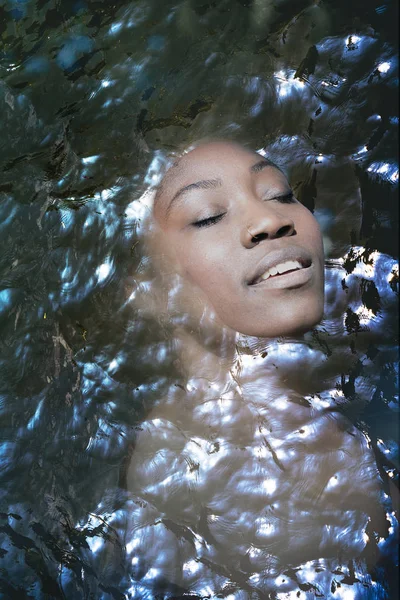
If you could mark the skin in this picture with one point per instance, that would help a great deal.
(218, 233)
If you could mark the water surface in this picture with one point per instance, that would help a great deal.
(93, 96)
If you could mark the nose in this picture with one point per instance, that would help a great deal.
(265, 222)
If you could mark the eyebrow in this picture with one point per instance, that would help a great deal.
(207, 184)
(262, 164)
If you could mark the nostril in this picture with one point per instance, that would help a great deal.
(286, 230)
(256, 239)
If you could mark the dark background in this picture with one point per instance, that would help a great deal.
(90, 93)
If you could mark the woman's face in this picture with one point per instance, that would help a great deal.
(234, 228)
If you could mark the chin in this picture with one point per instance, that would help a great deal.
(296, 325)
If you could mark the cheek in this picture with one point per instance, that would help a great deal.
(311, 234)
(206, 266)
(209, 275)
(315, 232)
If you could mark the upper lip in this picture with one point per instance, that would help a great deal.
(276, 257)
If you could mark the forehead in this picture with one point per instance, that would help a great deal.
(214, 156)
(207, 161)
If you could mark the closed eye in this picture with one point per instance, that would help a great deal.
(208, 222)
(285, 198)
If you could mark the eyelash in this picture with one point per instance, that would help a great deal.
(286, 199)
(209, 221)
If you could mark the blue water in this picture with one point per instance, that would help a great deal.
(131, 468)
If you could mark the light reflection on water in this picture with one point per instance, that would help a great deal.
(126, 474)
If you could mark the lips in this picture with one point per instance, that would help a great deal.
(276, 259)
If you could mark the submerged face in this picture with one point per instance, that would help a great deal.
(236, 231)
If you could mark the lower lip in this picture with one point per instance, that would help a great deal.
(294, 279)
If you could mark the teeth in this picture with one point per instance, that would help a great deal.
(273, 271)
(289, 265)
